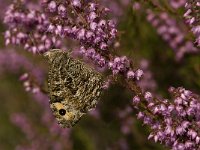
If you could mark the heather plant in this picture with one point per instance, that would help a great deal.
(192, 18)
(137, 54)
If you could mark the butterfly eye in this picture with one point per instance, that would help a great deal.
(62, 112)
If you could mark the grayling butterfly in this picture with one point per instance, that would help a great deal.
(74, 88)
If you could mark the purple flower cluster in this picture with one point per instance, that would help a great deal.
(171, 32)
(28, 28)
(84, 22)
(193, 19)
(41, 30)
(174, 123)
(177, 3)
(119, 64)
(123, 65)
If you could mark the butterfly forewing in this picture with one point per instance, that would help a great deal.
(74, 88)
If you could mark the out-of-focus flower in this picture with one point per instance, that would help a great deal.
(171, 32)
(177, 3)
(147, 83)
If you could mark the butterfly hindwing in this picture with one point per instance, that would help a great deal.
(74, 88)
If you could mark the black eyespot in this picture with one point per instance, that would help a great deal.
(62, 112)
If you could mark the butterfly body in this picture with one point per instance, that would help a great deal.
(74, 88)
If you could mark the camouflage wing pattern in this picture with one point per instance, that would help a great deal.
(74, 88)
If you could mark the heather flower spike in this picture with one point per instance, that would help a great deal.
(174, 127)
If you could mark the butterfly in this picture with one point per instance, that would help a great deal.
(74, 88)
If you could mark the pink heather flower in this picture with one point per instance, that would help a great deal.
(189, 144)
(148, 96)
(138, 74)
(76, 3)
(197, 140)
(62, 10)
(169, 130)
(130, 74)
(52, 6)
(192, 133)
(185, 124)
(92, 16)
(180, 130)
(136, 100)
(140, 115)
(24, 77)
(119, 65)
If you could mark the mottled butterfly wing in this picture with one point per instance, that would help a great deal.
(74, 88)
